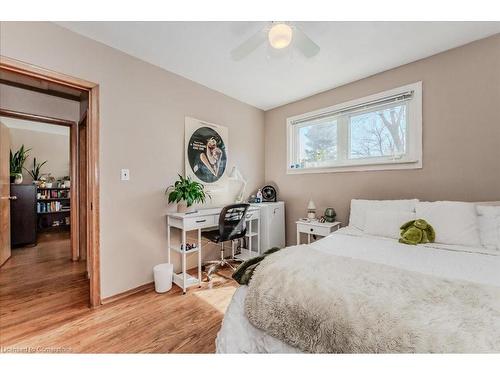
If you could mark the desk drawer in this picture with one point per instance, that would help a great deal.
(200, 222)
(312, 229)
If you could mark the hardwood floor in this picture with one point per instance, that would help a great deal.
(44, 307)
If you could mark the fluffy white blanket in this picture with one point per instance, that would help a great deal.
(334, 304)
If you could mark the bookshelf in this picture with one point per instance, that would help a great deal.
(53, 208)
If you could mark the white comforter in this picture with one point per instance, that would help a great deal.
(482, 266)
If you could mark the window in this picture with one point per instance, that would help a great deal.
(378, 132)
(318, 143)
(382, 131)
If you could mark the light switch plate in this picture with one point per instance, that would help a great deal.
(125, 175)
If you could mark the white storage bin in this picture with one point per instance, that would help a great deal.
(163, 277)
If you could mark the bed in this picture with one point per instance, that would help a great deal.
(462, 267)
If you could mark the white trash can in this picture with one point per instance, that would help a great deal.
(163, 277)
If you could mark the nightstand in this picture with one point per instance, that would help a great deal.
(315, 228)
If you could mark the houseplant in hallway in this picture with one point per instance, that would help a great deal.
(17, 161)
(185, 192)
(35, 171)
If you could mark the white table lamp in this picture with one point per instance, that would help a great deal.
(237, 176)
(311, 210)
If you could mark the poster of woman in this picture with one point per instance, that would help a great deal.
(206, 151)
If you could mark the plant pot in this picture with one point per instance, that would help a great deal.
(18, 179)
(182, 207)
(48, 185)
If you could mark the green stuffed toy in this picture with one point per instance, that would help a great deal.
(244, 272)
(417, 231)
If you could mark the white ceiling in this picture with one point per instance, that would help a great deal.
(349, 51)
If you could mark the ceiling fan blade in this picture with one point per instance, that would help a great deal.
(304, 43)
(248, 46)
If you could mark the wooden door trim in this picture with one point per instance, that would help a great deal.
(40, 90)
(37, 118)
(34, 71)
(31, 70)
(75, 195)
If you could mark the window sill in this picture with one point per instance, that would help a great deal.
(381, 166)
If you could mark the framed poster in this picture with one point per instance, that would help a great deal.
(206, 153)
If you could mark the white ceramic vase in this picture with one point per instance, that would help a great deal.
(182, 207)
(19, 179)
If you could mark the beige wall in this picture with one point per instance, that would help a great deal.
(461, 136)
(51, 146)
(44, 146)
(142, 111)
(32, 102)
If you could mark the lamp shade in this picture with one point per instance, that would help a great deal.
(234, 173)
(280, 35)
(311, 206)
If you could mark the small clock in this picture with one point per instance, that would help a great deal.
(268, 193)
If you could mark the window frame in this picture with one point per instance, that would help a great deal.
(411, 160)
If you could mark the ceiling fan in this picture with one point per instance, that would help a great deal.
(279, 35)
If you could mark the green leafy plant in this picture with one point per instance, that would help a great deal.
(50, 178)
(17, 160)
(185, 189)
(35, 171)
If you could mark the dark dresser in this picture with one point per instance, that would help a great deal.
(23, 217)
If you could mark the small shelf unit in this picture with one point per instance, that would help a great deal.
(62, 211)
(180, 251)
(53, 208)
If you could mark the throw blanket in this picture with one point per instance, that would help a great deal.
(323, 303)
(245, 270)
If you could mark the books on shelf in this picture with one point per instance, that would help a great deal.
(54, 206)
(53, 193)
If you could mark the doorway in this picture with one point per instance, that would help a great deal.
(84, 159)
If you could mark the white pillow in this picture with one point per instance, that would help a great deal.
(386, 223)
(488, 219)
(455, 223)
(359, 207)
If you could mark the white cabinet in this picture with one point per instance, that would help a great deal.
(272, 224)
(315, 228)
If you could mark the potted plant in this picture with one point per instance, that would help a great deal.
(42, 181)
(185, 192)
(66, 182)
(35, 171)
(50, 180)
(17, 161)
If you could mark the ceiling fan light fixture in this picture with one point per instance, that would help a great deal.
(280, 35)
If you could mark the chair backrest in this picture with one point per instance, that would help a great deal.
(232, 224)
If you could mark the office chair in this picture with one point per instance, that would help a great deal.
(232, 226)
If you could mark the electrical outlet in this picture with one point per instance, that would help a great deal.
(125, 175)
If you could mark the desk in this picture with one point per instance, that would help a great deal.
(203, 219)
